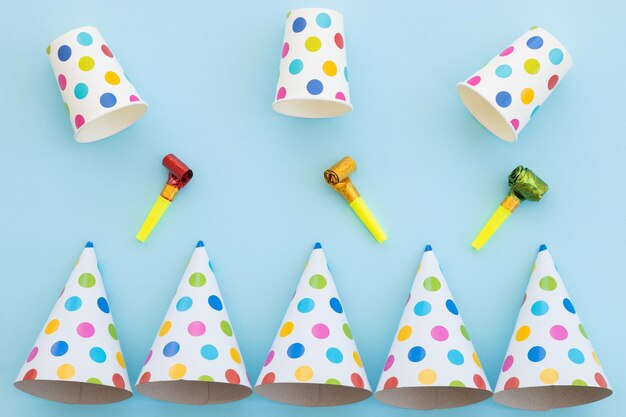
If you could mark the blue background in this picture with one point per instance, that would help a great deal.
(428, 170)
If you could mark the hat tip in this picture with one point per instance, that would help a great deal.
(318, 245)
(89, 245)
(542, 248)
(428, 248)
(200, 244)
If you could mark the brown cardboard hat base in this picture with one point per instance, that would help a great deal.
(312, 395)
(194, 392)
(72, 392)
(546, 398)
(431, 398)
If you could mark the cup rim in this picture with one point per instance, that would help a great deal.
(58, 38)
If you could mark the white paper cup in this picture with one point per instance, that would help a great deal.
(504, 94)
(99, 98)
(313, 75)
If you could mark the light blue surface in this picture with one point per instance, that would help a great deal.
(430, 173)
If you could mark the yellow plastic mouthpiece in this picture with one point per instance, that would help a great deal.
(368, 219)
(504, 210)
(158, 210)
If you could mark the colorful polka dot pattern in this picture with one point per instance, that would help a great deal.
(91, 80)
(79, 342)
(315, 344)
(195, 341)
(549, 344)
(519, 79)
(313, 60)
(432, 347)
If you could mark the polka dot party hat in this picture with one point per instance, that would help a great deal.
(99, 98)
(507, 92)
(195, 358)
(432, 362)
(314, 360)
(550, 362)
(77, 357)
(313, 72)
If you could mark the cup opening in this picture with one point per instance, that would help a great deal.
(488, 115)
(310, 108)
(194, 392)
(111, 122)
(549, 397)
(72, 392)
(432, 398)
(312, 395)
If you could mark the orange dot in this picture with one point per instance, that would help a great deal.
(549, 376)
(404, 333)
(286, 329)
(476, 360)
(357, 359)
(112, 78)
(52, 326)
(165, 328)
(522, 333)
(527, 95)
(427, 376)
(235, 355)
(304, 373)
(329, 68)
(66, 371)
(120, 359)
(177, 371)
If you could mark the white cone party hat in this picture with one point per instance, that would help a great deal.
(314, 359)
(77, 357)
(432, 362)
(195, 358)
(550, 362)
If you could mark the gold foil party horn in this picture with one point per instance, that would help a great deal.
(525, 185)
(338, 178)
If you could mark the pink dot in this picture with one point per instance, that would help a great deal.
(320, 331)
(133, 98)
(149, 357)
(85, 329)
(474, 80)
(32, 354)
(282, 93)
(558, 332)
(269, 359)
(508, 362)
(439, 333)
(340, 96)
(285, 49)
(79, 120)
(388, 362)
(196, 328)
(515, 124)
(62, 82)
(507, 51)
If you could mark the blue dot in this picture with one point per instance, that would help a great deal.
(97, 355)
(306, 305)
(535, 42)
(64, 53)
(171, 349)
(422, 308)
(452, 307)
(103, 305)
(298, 25)
(456, 357)
(211, 266)
(215, 303)
(334, 355)
(315, 87)
(295, 350)
(209, 352)
(81, 90)
(567, 303)
(335, 304)
(536, 354)
(73, 303)
(84, 39)
(345, 73)
(296, 66)
(184, 304)
(504, 71)
(416, 354)
(534, 111)
(503, 99)
(59, 348)
(107, 100)
(556, 56)
(323, 20)
(539, 308)
(576, 356)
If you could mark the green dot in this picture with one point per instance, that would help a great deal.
(457, 383)
(464, 332)
(197, 280)
(582, 330)
(112, 331)
(317, 281)
(347, 331)
(534, 27)
(67, 108)
(333, 381)
(579, 382)
(87, 280)
(547, 283)
(205, 378)
(432, 284)
(94, 381)
(225, 326)
(48, 50)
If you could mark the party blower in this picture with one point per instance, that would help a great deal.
(179, 176)
(338, 178)
(525, 185)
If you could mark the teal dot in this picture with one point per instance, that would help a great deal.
(97, 355)
(556, 56)
(209, 352)
(576, 356)
(306, 305)
(323, 20)
(534, 111)
(422, 308)
(73, 303)
(539, 308)
(456, 357)
(296, 66)
(84, 39)
(81, 90)
(334, 355)
(345, 73)
(184, 304)
(504, 71)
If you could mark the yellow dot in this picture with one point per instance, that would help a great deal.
(66, 371)
(595, 357)
(522, 333)
(534, 267)
(52, 326)
(329, 68)
(527, 95)
(177, 371)
(313, 44)
(86, 63)
(235, 355)
(165, 328)
(404, 333)
(286, 329)
(120, 359)
(427, 376)
(357, 359)
(112, 78)
(532, 66)
(476, 360)
(304, 373)
(549, 376)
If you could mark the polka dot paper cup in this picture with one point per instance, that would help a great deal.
(195, 358)
(550, 362)
(77, 357)
(314, 360)
(99, 99)
(432, 362)
(313, 75)
(506, 93)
